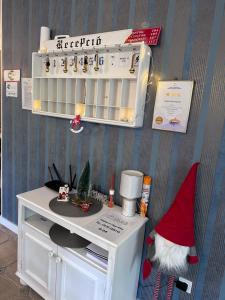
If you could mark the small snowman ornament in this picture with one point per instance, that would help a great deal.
(75, 125)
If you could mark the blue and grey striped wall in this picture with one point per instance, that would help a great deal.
(192, 47)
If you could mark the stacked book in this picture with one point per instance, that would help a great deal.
(97, 254)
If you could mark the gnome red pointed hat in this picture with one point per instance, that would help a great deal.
(174, 234)
(177, 225)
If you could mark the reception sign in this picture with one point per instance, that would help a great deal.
(149, 36)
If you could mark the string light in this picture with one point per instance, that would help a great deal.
(150, 82)
(151, 77)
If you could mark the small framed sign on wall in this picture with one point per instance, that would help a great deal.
(172, 105)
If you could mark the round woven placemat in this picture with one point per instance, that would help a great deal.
(67, 209)
(62, 237)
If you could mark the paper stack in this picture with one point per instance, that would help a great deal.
(97, 254)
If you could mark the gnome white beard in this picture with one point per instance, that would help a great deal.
(171, 257)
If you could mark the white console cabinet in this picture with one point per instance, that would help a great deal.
(69, 274)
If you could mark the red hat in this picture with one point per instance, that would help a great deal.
(177, 225)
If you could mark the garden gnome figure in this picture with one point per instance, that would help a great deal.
(174, 234)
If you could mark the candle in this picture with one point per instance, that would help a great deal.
(126, 114)
(112, 191)
(80, 109)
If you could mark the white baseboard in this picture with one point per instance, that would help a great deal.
(11, 226)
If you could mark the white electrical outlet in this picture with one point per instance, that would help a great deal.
(189, 283)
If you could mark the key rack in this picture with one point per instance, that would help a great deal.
(105, 84)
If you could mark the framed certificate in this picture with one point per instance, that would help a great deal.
(172, 105)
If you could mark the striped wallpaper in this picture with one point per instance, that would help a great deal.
(192, 47)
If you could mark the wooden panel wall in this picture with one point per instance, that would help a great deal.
(192, 47)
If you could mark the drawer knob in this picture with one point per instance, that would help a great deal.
(51, 254)
(58, 260)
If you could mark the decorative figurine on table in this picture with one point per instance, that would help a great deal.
(174, 237)
(75, 125)
(63, 193)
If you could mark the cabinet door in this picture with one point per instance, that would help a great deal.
(77, 279)
(38, 262)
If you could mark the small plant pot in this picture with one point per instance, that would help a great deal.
(85, 207)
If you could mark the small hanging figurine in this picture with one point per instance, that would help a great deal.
(75, 125)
